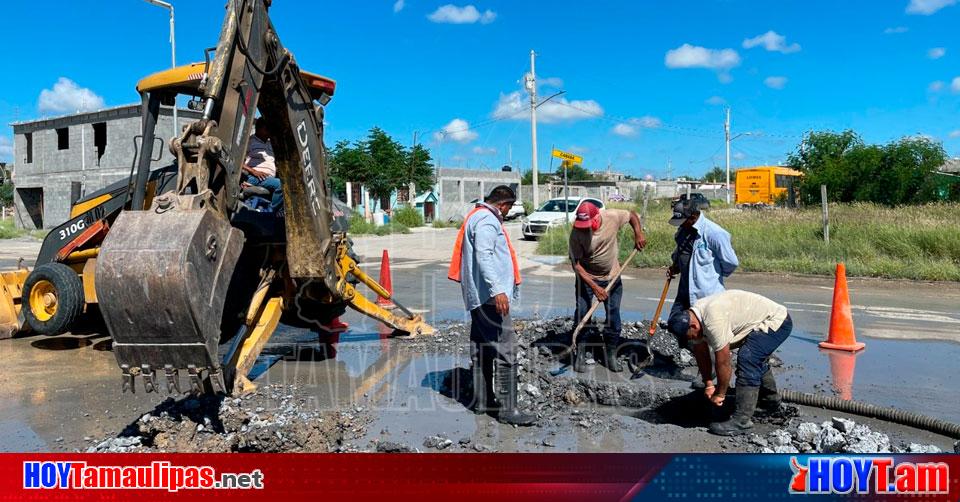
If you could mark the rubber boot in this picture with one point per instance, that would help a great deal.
(479, 384)
(507, 379)
(580, 356)
(769, 401)
(610, 358)
(740, 422)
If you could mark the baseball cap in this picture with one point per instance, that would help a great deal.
(683, 210)
(588, 216)
(679, 324)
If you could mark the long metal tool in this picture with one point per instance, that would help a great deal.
(593, 308)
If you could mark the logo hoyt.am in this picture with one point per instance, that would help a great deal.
(879, 475)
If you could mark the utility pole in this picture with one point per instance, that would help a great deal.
(726, 133)
(173, 55)
(531, 85)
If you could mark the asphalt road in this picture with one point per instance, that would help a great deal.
(57, 391)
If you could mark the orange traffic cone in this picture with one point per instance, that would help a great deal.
(842, 366)
(386, 281)
(842, 336)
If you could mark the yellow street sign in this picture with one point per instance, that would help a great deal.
(573, 159)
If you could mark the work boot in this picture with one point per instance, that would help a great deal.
(580, 358)
(507, 379)
(580, 355)
(769, 401)
(610, 358)
(479, 385)
(739, 423)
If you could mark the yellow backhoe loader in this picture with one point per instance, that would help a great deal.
(182, 259)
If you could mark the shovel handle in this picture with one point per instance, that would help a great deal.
(596, 303)
(663, 298)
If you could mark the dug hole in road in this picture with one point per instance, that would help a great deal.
(361, 391)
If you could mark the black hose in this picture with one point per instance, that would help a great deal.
(888, 414)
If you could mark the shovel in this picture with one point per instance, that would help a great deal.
(586, 317)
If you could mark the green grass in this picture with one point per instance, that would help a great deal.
(359, 226)
(9, 231)
(908, 242)
(446, 224)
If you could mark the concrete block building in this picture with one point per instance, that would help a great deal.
(457, 187)
(60, 159)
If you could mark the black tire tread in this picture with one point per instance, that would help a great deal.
(70, 298)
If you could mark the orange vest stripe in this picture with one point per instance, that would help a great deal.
(453, 273)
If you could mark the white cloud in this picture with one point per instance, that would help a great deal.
(692, 56)
(955, 84)
(578, 149)
(452, 14)
(554, 82)
(927, 7)
(631, 127)
(716, 101)
(559, 109)
(954, 134)
(936, 53)
(622, 129)
(67, 97)
(627, 156)
(775, 82)
(480, 150)
(895, 30)
(771, 41)
(458, 130)
(936, 86)
(739, 155)
(6, 148)
(398, 6)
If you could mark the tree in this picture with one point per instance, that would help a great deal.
(575, 172)
(900, 172)
(380, 163)
(719, 175)
(527, 178)
(421, 170)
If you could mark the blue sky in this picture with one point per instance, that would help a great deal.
(646, 81)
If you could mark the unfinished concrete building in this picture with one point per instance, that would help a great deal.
(60, 159)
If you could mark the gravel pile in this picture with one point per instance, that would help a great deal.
(838, 435)
(274, 419)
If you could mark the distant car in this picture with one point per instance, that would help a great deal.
(515, 212)
(701, 199)
(618, 197)
(553, 213)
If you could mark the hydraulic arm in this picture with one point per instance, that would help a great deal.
(197, 265)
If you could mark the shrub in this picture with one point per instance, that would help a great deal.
(408, 216)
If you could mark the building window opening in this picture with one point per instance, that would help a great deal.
(63, 138)
(29, 138)
(100, 139)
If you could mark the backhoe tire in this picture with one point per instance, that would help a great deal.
(53, 298)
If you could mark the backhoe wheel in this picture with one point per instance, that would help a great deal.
(54, 297)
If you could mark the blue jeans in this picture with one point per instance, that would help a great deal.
(271, 183)
(754, 354)
(612, 325)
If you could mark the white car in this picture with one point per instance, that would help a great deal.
(553, 213)
(516, 210)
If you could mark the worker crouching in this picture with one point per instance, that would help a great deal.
(741, 320)
(485, 264)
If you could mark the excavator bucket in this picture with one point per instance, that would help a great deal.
(11, 291)
(162, 280)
